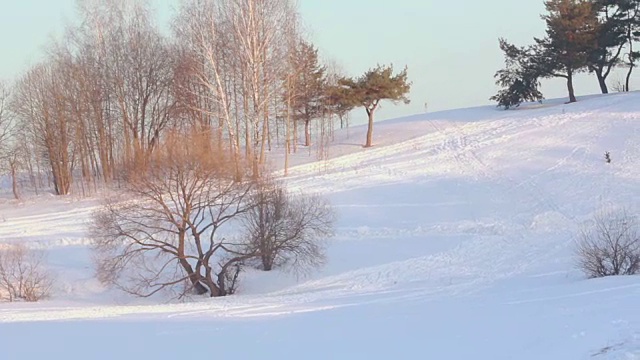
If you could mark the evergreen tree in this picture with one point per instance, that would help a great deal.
(310, 84)
(631, 10)
(572, 27)
(611, 37)
(519, 79)
(370, 89)
(337, 102)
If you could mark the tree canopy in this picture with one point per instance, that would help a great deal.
(310, 86)
(519, 79)
(374, 86)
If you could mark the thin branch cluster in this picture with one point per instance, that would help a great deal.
(23, 274)
(611, 246)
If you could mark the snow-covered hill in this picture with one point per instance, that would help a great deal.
(454, 241)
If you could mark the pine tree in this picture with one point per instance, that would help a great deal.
(337, 102)
(631, 23)
(572, 27)
(611, 37)
(519, 79)
(374, 86)
(310, 82)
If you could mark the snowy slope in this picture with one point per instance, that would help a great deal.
(454, 242)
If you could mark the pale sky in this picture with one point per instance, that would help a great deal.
(450, 47)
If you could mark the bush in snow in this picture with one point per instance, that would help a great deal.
(611, 246)
(23, 275)
(287, 229)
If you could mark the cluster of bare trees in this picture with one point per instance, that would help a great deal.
(114, 85)
(232, 54)
(99, 102)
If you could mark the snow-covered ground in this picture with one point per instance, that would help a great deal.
(455, 241)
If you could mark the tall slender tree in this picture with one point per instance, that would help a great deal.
(610, 39)
(631, 10)
(237, 48)
(337, 102)
(310, 85)
(41, 103)
(333, 95)
(6, 118)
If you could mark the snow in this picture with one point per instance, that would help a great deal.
(455, 240)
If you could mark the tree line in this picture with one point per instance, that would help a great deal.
(239, 72)
(593, 36)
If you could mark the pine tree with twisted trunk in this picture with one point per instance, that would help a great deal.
(372, 88)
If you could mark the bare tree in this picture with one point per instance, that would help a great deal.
(41, 105)
(13, 158)
(236, 48)
(95, 42)
(260, 29)
(23, 274)
(286, 229)
(6, 118)
(142, 78)
(123, 71)
(207, 71)
(167, 233)
(611, 246)
(9, 148)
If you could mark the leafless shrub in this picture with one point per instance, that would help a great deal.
(23, 275)
(286, 229)
(619, 85)
(611, 246)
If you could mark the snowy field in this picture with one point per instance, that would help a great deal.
(455, 241)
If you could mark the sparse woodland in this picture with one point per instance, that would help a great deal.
(108, 92)
(177, 130)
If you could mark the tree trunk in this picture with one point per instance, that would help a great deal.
(628, 81)
(194, 278)
(267, 262)
(369, 142)
(295, 136)
(307, 133)
(265, 137)
(602, 81)
(631, 66)
(572, 95)
(14, 181)
(287, 141)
